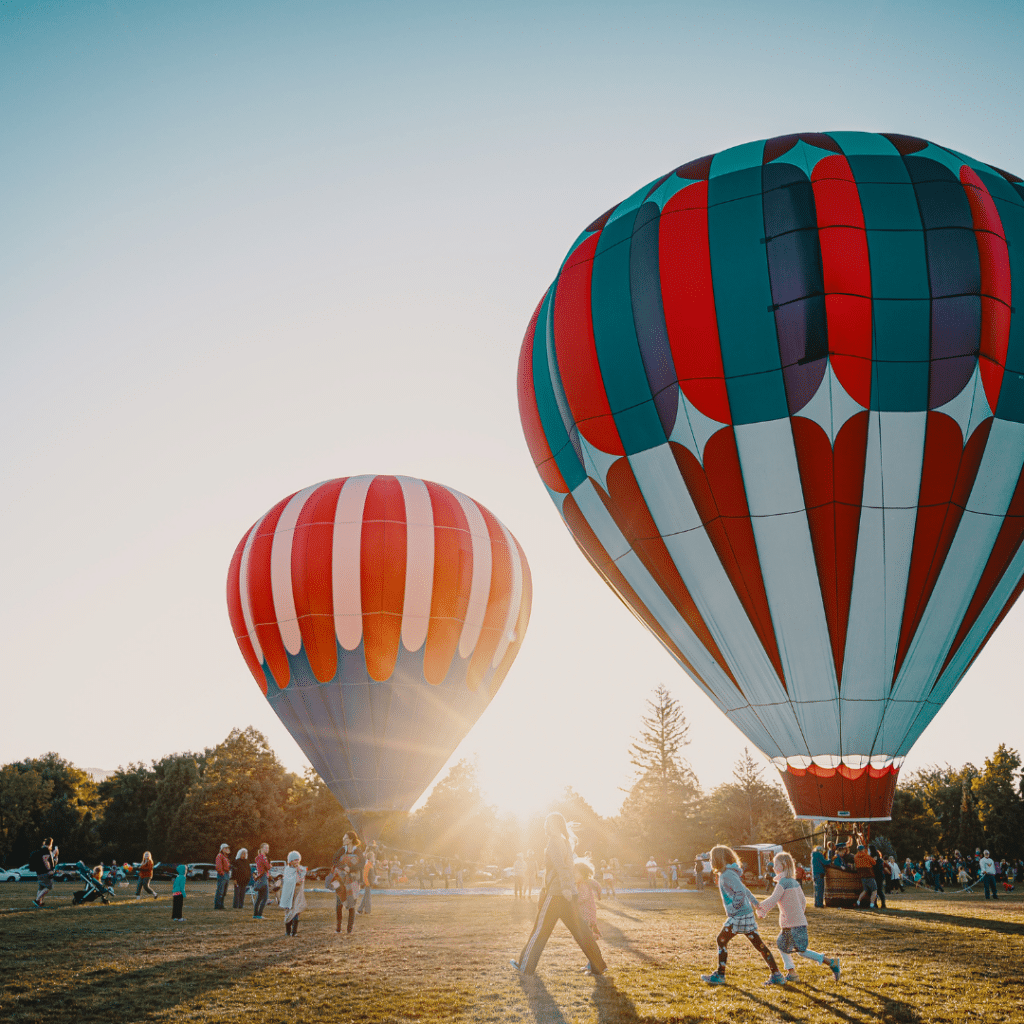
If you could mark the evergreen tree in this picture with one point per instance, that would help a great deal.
(455, 821)
(657, 814)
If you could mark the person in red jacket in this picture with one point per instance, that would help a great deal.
(223, 875)
(864, 865)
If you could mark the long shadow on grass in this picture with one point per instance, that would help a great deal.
(102, 993)
(616, 937)
(538, 999)
(1003, 927)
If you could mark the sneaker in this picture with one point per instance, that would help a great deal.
(589, 969)
(834, 964)
(778, 978)
(791, 975)
(257, 917)
(517, 968)
(713, 979)
(37, 905)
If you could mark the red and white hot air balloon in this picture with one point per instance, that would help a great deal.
(379, 615)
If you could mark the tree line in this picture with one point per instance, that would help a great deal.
(183, 806)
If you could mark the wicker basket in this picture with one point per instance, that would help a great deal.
(841, 888)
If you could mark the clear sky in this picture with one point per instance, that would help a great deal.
(249, 246)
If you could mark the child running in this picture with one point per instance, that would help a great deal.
(589, 893)
(739, 905)
(789, 896)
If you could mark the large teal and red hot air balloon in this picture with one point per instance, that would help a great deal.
(379, 615)
(777, 395)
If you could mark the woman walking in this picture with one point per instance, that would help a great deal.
(559, 901)
(261, 883)
(145, 876)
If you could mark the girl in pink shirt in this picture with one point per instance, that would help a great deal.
(789, 896)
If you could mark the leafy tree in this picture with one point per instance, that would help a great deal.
(658, 811)
(69, 813)
(595, 835)
(455, 821)
(999, 799)
(176, 776)
(316, 819)
(239, 798)
(749, 810)
(24, 794)
(127, 796)
(914, 829)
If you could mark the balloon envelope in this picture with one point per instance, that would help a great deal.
(777, 396)
(379, 615)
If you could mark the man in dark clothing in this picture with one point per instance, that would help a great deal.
(879, 870)
(43, 862)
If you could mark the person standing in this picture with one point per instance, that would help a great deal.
(531, 873)
(223, 864)
(698, 873)
(559, 901)
(145, 876)
(293, 893)
(879, 870)
(369, 877)
(652, 872)
(43, 861)
(519, 876)
(178, 894)
(987, 868)
(262, 882)
(241, 875)
(819, 867)
(864, 865)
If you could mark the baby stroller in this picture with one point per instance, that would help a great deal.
(94, 888)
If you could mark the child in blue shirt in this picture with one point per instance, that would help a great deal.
(178, 894)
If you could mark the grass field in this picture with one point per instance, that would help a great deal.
(439, 958)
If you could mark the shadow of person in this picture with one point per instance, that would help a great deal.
(987, 924)
(613, 1006)
(616, 938)
(539, 1002)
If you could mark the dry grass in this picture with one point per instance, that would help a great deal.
(441, 958)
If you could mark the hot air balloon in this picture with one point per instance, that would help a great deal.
(777, 396)
(379, 615)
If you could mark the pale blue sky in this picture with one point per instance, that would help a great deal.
(249, 246)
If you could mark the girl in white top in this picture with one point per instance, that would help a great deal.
(293, 893)
(789, 896)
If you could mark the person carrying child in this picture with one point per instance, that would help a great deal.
(559, 900)
(178, 894)
(589, 892)
(739, 905)
(344, 880)
(789, 897)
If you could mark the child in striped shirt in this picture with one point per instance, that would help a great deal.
(789, 895)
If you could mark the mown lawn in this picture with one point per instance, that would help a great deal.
(440, 958)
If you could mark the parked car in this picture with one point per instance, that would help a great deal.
(165, 871)
(201, 871)
(26, 873)
(10, 875)
(277, 868)
(318, 873)
(65, 871)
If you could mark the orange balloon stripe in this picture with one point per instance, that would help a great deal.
(382, 575)
(498, 598)
(261, 597)
(453, 578)
(312, 546)
(525, 605)
(237, 616)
